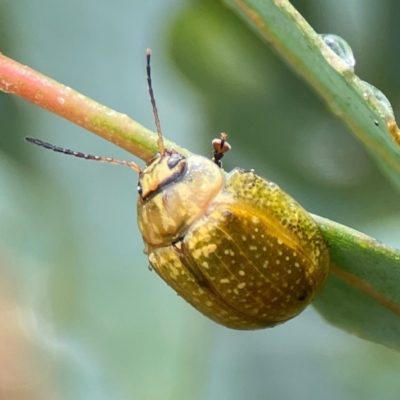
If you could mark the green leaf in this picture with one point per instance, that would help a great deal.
(295, 40)
(362, 295)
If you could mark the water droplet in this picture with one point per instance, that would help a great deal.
(340, 47)
(272, 185)
(370, 90)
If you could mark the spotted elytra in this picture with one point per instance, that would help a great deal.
(233, 245)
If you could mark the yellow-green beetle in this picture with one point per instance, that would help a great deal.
(235, 246)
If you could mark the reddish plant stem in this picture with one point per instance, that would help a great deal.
(111, 125)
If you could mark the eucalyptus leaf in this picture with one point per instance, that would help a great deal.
(362, 295)
(279, 23)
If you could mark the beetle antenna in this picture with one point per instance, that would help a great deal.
(78, 154)
(160, 141)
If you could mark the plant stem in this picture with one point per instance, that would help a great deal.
(111, 125)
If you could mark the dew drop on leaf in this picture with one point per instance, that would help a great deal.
(369, 90)
(340, 47)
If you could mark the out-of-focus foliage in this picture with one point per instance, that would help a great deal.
(103, 325)
(10, 117)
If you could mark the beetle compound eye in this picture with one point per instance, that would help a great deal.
(160, 173)
(174, 159)
(139, 188)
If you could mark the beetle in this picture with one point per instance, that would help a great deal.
(233, 245)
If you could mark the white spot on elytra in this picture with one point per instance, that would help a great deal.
(207, 250)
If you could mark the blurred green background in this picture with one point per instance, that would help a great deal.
(81, 315)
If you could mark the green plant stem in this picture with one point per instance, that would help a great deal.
(111, 125)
